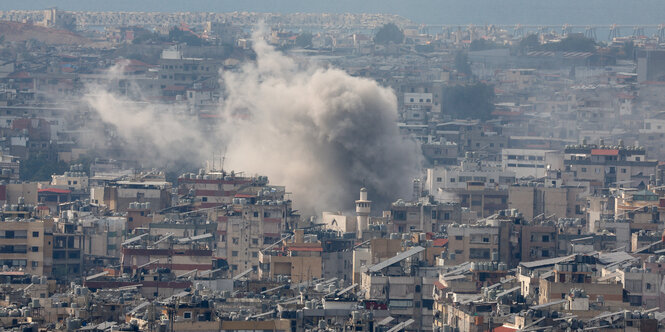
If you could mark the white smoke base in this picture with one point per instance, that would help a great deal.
(319, 131)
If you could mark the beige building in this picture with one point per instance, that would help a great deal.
(243, 232)
(27, 245)
(297, 260)
(472, 244)
(561, 202)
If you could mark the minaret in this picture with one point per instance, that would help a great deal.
(363, 209)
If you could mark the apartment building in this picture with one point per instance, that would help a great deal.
(530, 163)
(243, 229)
(609, 166)
(298, 260)
(27, 245)
(426, 216)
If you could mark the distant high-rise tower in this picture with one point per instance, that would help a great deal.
(363, 209)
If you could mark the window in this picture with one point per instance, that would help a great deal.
(34, 249)
(35, 234)
(546, 238)
(256, 214)
(187, 315)
(583, 169)
(234, 253)
(623, 170)
(479, 253)
(439, 179)
(255, 242)
(255, 254)
(452, 179)
(204, 199)
(458, 238)
(35, 264)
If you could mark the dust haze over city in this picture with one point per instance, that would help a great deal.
(300, 165)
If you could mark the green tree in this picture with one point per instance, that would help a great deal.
(40, 168)
(389, 33)
(472, 101)
(304, 40)
(629, 50)
(181, 36)
(573, 43)
(462, 63)
(482, 44)
(529, 43)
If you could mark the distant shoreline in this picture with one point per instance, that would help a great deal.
(448, 12)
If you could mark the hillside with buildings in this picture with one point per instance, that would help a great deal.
(329, 172)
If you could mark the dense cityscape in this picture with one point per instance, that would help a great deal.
(247, 171)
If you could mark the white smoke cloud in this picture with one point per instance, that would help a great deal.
(319, 131)
(156, 134)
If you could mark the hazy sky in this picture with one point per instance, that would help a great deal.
(579, 12)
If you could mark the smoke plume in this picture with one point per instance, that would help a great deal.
(319, 131)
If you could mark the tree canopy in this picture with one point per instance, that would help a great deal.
(304, 40)
(482, 44)
(389, 33)
(181, 36)
(462, 63)
(473, 101)
(575, 42)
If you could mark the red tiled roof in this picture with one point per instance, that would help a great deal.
(503, 329)
(439, 285)
(439, 242)
(604, 152)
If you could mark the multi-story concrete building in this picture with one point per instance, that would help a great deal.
(299, 260)
(68, 244)
(468, 243)
(245, 228)
(28, 245)
(425, 216)
(216, 188)
(530, 163)
(471, 170)
(613, 166)
(547, 201)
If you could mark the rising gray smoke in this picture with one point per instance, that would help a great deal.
(318, 131)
